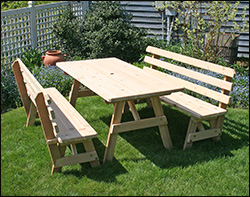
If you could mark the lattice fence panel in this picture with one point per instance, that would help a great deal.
(15, 35)
(17, 31)
(45, 19)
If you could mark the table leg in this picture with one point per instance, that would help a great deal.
(74, 92)
(165, 136)
(133, 110)
(111, 141)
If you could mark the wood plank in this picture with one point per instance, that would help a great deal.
(193, 106)
(67, 112)
(74, 92)
(139, 124)
(203, 135)
(190, 73)
(73, 149)
(21, 86)
(112, 137)
(85, 93)
(133, 110)
(55, 128)
(89, 146)
(192, 126)
(115, 80)
(192, 61)
(74, 159)
(72, 126)
(32, 115)
(52, 141)
(164, 132)
(44, 117)
(189, 85)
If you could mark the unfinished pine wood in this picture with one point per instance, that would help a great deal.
(21, 85)
(164, 132)
(68, 119)
(190, 86)
(115, 80)
(32, 115)
(192, 61)
(118, 82)
(139, 124)
(61, 123)
(112, 137)
(190, 73)
(194, 106)
(74, 92)
(133, 110)
(74, 159)
(191, 129)
(198, 109)
(89, 146)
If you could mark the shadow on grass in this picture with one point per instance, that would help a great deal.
(105, 172)
(149, 143)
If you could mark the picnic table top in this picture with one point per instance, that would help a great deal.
(115, 80)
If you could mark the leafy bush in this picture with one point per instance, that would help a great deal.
(52, 76)
(47, 77)
(31, 58)
(10, 97)
(104, 31)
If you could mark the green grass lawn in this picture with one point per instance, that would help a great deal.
(141, 165)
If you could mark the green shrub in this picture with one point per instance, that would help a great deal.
(10, 97)
(31, 58)
(47, 76)
(52, 76)
(104, 31)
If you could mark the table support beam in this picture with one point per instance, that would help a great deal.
(112, 137)
(165, 136)
(74, 92)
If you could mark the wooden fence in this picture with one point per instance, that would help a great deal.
(32, 27)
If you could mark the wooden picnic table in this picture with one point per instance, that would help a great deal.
(118, 82)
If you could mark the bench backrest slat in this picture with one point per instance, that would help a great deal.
(192, 61)
(32, 91)
(33, 87)
(191, 86)
(190, 73)
(225, 85)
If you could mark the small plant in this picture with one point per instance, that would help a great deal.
(31, 58)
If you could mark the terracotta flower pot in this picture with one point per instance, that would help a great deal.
(53, 56)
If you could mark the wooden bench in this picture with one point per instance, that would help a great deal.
(198, 109)
(62, 124)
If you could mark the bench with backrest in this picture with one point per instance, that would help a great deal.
(62, 124)
(198, 109)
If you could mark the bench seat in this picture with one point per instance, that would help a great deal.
(199, 110)
(68, 119)
(193, 106)
(62, 125)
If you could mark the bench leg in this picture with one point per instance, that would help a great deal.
(110, 146)
(191, 129)
(56, 152)
(217, 123)
(89, 146)
(31, 115)
(165, 136)
(74, 92)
